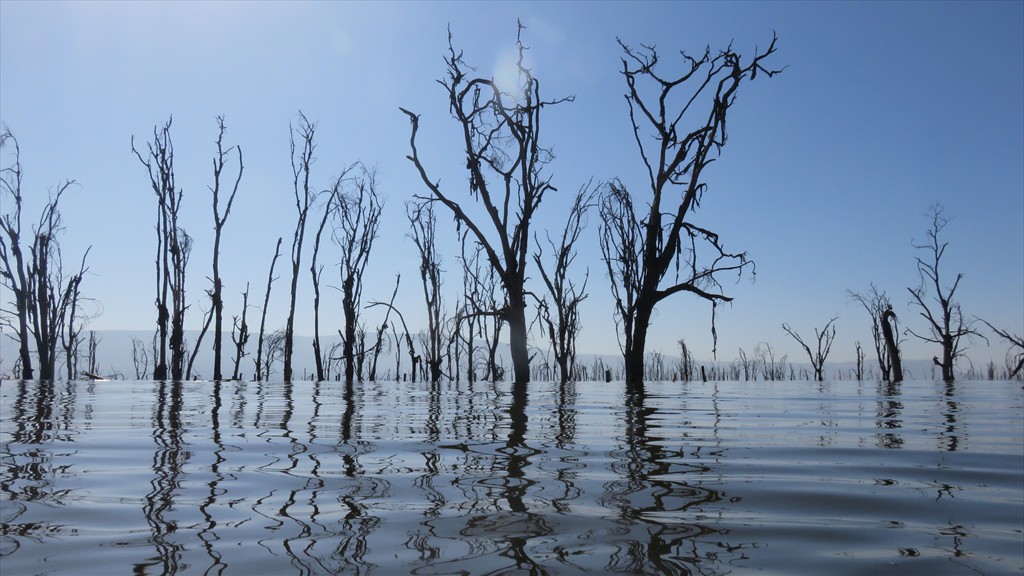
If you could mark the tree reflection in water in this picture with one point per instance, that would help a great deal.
(168, 461)
(511, 524)
(660, 498)
(292, 478)
(888, 419)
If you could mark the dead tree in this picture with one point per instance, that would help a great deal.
(858, 370)
(54, 298)
(240, 334)
(71, 336)
(889, 331)
(824, 338)
(946, 324)
(876, 302)
(484, 314)
(263, 314)
(218, 226)
(563, 323)
(414, 358)
(641, 250)
(357, 211)
(421, 218)
(1015, 355)
(140, 358)
(687, 365)
(467, 317)
(273, 350)
(45, 300)
(379, 344)
(15, 274)
(94, 343)
(302, 162)
(317, 272)
(771, 369)
(174, 246)
(199, 342)
(505, 161)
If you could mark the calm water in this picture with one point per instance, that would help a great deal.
(273, 478)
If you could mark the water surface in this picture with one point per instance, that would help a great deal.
(452, 478)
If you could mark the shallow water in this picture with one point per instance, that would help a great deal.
(399, 478)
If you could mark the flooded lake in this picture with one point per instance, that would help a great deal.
(399, 478)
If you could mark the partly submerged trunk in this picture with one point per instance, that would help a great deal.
(890, 345)
(634, 352)
(516, 318)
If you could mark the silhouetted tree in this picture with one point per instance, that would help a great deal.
(199, 342)
(641, 251)
(466, 316)
(174, 246)
(946, 324)
(379, 344)
(876, 302)
(263, 314)
(316, 272)
(687, 366)
(302, 161)
(16, 268)
(94, 344)
(421, 218)
(273, 350)
(563, 324)
(824, 338)
(45, 300)
(858, 371)
(218, 226)
(71, 337)
(357, 210)
(140, 358)
(771, 369)
(501, 135)
(482, 285)
(1015, 355)
(414, 359)
(240, 334)
(889, 331)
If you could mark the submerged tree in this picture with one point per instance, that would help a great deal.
(263, 313)
(824, 338)
(357, 210)
(946, 324)
(218, 226)
(505, 160)
(889, 331)
(1015, 355)
(46, 301)
(640, 250)
(302, 162)
(173, 248)
(240, 334)
(876, 302)
(316, 272)
(424, 223)
(563, 323)
(467, 317)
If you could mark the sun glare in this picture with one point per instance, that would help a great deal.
(507, 75)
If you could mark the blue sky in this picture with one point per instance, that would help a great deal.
(883, 110)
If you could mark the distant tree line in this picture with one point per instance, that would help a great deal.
(653, 246)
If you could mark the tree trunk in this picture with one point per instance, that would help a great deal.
(635, 346)
(947, 359)
(890, 344)
(516, 318)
